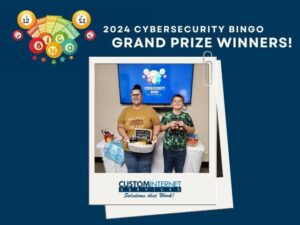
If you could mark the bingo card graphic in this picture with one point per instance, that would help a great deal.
(52, 37)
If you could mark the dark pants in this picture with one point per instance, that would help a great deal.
(138, 162)
(174, 159)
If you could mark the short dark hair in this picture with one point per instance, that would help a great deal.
(178, 96)
(137, 87)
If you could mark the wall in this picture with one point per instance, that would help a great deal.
(108, 107)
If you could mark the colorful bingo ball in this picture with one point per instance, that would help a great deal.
(90, 35)
(69, 47)
(26, 19)
(60, 37)
(81, 19)
(47, 38)
(37, 45)
(18, 35)
(53, 50)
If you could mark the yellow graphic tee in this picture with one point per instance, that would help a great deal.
(143, 118)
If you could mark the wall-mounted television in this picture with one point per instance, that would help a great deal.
(159, 82)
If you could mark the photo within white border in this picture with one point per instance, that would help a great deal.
(224, 189)
(197, 188)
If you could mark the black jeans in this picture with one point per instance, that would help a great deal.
(174, 159)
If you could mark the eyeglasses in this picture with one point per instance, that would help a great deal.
(135, 95)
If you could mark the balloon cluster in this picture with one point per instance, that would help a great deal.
(154, 76)
(52, 34)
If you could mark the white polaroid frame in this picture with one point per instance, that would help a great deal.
(198, 188)
(224, 189)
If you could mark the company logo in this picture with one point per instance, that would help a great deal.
(154, 76)
(53, 38)
(149, 186)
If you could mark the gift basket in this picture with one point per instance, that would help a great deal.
(141, 141)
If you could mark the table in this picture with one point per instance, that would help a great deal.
(192, 162)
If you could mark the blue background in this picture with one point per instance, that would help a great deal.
(44, 114)
(131, 74)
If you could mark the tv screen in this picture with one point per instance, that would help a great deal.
(159, 82)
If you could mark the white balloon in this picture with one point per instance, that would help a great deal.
(146, 71)
(162, 71)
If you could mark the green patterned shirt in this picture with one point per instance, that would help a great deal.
(176, 140)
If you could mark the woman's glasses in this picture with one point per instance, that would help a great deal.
(135, 95)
